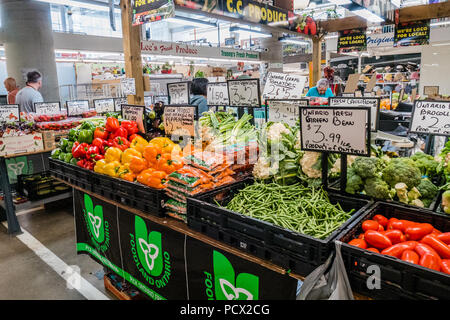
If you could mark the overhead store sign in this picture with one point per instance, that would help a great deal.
(352, 41)
(415, 33)
(186, 50)
(145, 11)
(380, 40)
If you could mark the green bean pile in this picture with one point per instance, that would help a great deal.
(294, 207)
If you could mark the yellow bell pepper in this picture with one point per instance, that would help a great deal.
(112, 168)
(129, 153)
(125, 173)
(113, 154)
(100, 166)
(139, 144)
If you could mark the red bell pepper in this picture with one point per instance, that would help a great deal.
(100, 133)
(121, 143)
(98, 142)
(99, 157)
(80, 150)
(130, 126)
(120, 132)
(112, 124)
(75, 145)
(92, 152)
(131, 138)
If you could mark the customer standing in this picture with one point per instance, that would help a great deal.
(246, 74)
(321, 90)
(12, 88)
(28, 96)
(198, 91)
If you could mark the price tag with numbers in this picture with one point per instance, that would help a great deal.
(343, 130)
(104, 105)
(217, 94)
(134, 113)
(77, 107)
(9, 113)
(180, 120)
(128, 86)
(163, 99)
(47, 108)
(286, 111)
(244, 93)
(372, 103)
(178, 92)
(283, 86)
(431, 117)
(118, 102)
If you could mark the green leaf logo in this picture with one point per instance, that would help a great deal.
(227, 286)
(149, 248)
(95, 219)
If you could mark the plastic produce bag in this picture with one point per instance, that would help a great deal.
(329, 281)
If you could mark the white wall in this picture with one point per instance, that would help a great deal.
(435, 68)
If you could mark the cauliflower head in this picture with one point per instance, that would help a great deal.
(276, 130)
(310, 164)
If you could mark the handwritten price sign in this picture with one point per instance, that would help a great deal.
(77, 107)
(104, 105)
(47, 108)
(179, 120)
(372, 103)
(244, 93)
(118, 102)
(431, 117)
(286, 111)
(178, 92)
(283, 86)
(217, 94)
(134, 113)
(9, 113)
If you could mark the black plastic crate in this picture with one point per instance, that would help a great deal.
(298, 252)
(39, 186)
(399, 279)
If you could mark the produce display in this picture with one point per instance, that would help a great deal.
(59, 125)
(15, 129)
(155, 124)
(444, 170)
(49, 118)
(413, 242)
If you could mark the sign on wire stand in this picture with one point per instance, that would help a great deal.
(9, 113)
(283, 86)
(431, 117)
(217, 94)
(286, 111)
(134, 113)
(104, 105)
(47, 108)
(128, 86)
(180, 120)
(372, 103)
(337, 130)
(244, 93)
(179, 92)
(118, 102)
(77, 107)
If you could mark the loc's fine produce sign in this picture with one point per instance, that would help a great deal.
(352, 40)
(338, 130)
(217, 94)
(244, 93)
(179, 120)
(118, 102)
(372, 103)
(286, 111)
(414, 33)
(178, 92)
(9, 113)
(432, 117)
(134, 113)
(145, 11)
(77, 107)
(47, 108)
(283, 86)
(104, 105)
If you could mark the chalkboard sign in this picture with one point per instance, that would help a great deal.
(372, 102)
(134, 113)
(104, 105)
(179, 92)
(244, 93)
(217, 94)
(47, 108)
(77, 107)
(163, 99)
(9, 113)
(431, 117)
(337, 130)
(118, 102)
(286, 111)
(180, 120)
(283, 86)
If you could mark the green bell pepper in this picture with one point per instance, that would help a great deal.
(61, 156)
(86, 135)
(55, 153)
(73, 134)
(68, 157)
(73, 161)
(63, 143)
(69, 147)
(88, 125)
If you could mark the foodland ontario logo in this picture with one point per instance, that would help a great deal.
(98, 228)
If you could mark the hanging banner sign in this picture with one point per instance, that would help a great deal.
(179, 92)
(77, 107)
(145, 11)
(47, 108)
(134, 113)
(128, 86)
(244, 93)
(372, 103)
(283, 86)
(104, 105)
(9, 113)
(286, 111)
(118, 102)
(180, 120)
(378, 40)
(415, 33)
(352, 41)
(338, 130)
(431, 117)
(217, 94)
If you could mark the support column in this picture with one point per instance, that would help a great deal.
(132, 53)
(27, 27)
(316, 61)
(274, 55)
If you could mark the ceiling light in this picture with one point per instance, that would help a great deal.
(340, 2)
(368, 15)
(247, 33)
(191, 22)
(441, 44)
(293, 40)
(440, 23)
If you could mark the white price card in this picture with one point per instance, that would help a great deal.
(372, 103)
(217, 94)
(148, 100)
(134, 113)
(431, 117)
(163, 99)
(179, 120)
(244, 93)
(286, 111)
(118, 102)
(128, 86)
(178, 92)
(283, 86)
(104, 105)
(9, 113)
(77, 107)
(47, 108)
(337, 130)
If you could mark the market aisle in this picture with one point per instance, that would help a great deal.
(31, 275)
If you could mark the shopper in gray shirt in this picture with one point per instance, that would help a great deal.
(28, 95)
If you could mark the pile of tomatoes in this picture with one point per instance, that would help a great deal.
(417, 243)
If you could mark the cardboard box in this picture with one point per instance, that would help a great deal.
(21, 144)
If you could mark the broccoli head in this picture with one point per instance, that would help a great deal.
(427, 189)
(366, 167)
(402, 170)
(377, 188)
(426, 163)
(354, 182)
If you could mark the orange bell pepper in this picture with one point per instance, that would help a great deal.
(130, 153)
(137, 164)
(144, 175)
(125, 173)
(153, 179)
(169, 164)
(152, 153)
